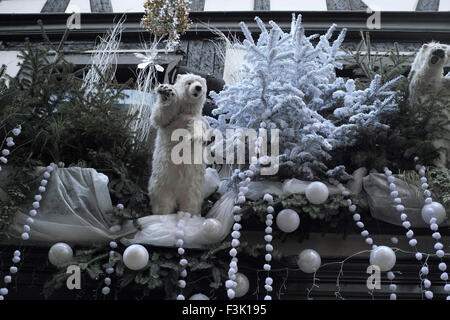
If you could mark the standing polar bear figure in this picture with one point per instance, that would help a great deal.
(174, 185)
(427, 70)
(427, 78)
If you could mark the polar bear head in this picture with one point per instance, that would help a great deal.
(431, 56)
(437, 54)
(191, 89)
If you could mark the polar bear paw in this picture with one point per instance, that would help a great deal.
(166, 92)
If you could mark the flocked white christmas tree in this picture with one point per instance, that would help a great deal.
(290, 85)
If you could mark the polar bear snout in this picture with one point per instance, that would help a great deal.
(437, 55)
(440, 53)
(195, 89)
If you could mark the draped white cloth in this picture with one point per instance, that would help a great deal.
(75, 207)
(383, 208)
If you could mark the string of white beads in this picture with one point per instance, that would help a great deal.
(37, 199)
(403, 216)
(180, 242)
(409, 233)
(438, 246)
(26, 231)
(269, 247)
(392, 285)
(5, 152)
(7, 279)
(356, 216)
(109, 270)
(245, 178)
(365, 234)
(16, 256)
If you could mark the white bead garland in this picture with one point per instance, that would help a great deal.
(5, 152)
(403, 216)
(365, 233)
(245, 178)
(26, 228)
(33, 212)
(269, 247)
(183, 261)
(109, 270)
(434, 227)
(392, 286)
(356, 216)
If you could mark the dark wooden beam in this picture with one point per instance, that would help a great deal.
(262, 5)
(427, 5)
(101, 6)
(55, 6)
(397, 26)
(198, 5)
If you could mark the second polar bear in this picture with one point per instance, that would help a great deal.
(177, 186)
(425, 80)
(427, 70)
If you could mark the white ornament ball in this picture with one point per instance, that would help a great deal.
(212, 229)
(199, 296)
(383, 257)
(60, 253)
(309, 261)
(106, 290)
(434, 210)
(288, 220)
(316, 192)
(135, 257)
(242, 285)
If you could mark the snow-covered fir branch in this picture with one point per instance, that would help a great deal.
(291, 84)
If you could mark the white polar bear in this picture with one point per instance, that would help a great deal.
(426, 78)
(427, 70)
(177, 186)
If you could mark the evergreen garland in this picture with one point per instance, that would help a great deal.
(64, 122)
